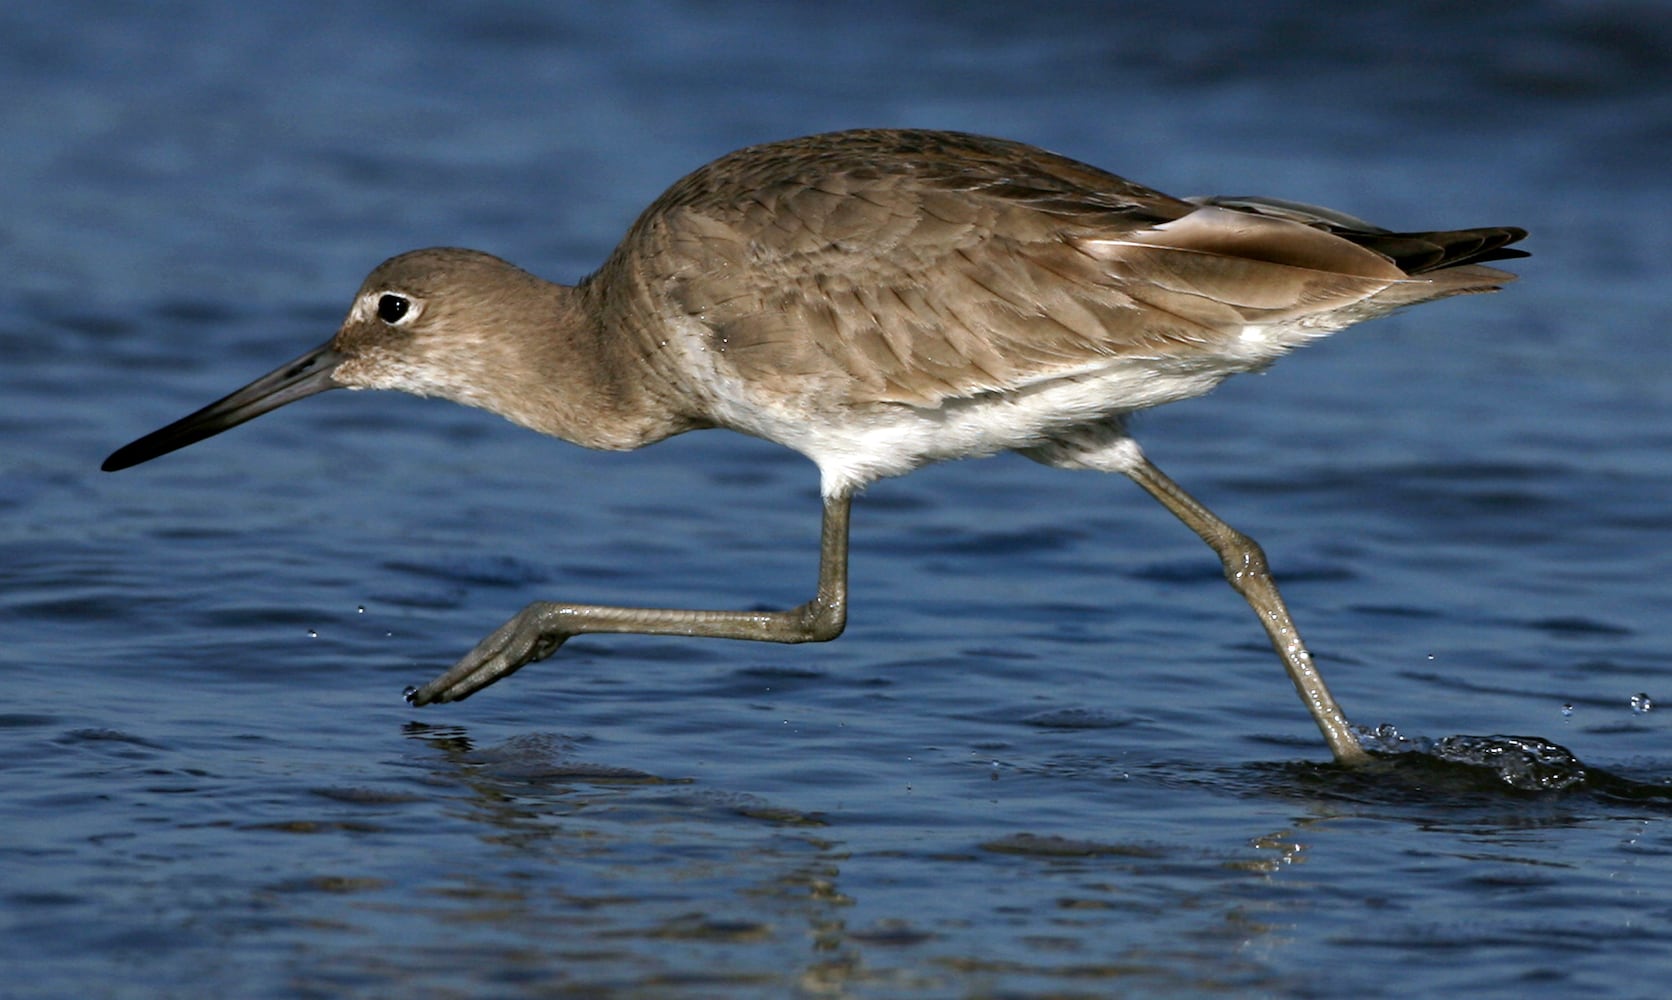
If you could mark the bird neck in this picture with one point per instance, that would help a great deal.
(576, 378)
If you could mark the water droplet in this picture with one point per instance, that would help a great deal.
(1641, 703)
(1567, 709)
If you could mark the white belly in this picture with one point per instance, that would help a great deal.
(856, 446)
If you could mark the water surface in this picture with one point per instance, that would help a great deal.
(1052, 756)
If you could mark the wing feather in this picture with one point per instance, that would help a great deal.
(916, 268)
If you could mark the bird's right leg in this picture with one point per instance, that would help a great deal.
(538, 630)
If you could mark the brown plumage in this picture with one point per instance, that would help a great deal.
(914, 267)
(878, 300)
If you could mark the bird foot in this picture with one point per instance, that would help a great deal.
(526, 638)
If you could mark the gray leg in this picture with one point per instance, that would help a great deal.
(1245, 567)
(539, 629)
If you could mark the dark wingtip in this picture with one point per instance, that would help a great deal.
(1419, 253)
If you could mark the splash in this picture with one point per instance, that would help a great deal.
(1525, 763)
(1529, 764)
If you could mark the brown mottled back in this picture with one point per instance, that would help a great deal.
(916, 267)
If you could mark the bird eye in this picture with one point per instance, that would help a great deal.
(393, 308)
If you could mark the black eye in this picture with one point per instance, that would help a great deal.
(392, 308)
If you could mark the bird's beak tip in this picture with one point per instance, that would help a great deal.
(305, 376)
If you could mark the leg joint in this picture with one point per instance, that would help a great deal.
(1244, 560)
(821, 620)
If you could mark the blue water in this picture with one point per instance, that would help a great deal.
(1052, 756)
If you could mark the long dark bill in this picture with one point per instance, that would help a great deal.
(308, 374)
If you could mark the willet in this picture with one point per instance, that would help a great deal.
(878, 300)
